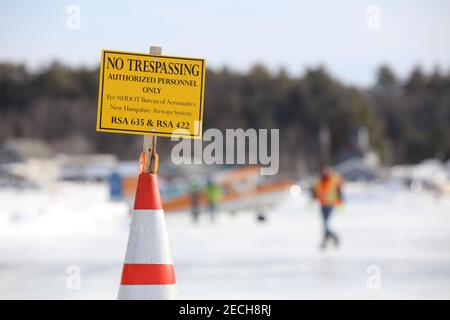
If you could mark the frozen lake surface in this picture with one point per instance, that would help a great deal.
(405, 235)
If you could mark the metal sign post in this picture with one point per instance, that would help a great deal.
(149, 145)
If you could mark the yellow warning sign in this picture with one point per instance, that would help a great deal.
(151, 94)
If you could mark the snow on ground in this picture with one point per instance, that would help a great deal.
(407, 235)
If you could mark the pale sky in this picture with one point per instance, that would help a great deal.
(290, 34)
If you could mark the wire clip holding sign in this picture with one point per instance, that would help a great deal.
(149, 159)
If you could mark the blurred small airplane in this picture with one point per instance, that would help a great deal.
(242, 189)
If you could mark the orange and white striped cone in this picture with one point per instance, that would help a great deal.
(148, 272)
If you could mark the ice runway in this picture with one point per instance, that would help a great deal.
(405, 235)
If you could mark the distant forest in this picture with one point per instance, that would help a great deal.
(408, 119)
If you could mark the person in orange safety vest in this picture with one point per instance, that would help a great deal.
(328, 192)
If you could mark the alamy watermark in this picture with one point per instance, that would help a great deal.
(73, 21)
(73, 281)
(373, 21)
(235, 146)
(374, 277)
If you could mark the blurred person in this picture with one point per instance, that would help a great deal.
(195, 202)
(115, 186)
(328, 192)
(213, 196)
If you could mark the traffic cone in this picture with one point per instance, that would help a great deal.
(148, 272)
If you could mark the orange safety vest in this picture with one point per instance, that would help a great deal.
(326, 191)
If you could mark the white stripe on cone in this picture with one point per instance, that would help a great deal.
(148, 292)
(148, 241)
